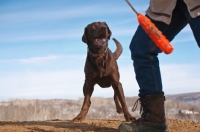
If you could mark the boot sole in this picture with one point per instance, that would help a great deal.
(149, 129)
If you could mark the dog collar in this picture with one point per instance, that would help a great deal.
(98, 55)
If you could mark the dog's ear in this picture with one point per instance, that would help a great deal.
(109, 32)
(84, 37)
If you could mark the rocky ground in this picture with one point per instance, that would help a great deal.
(92, 125)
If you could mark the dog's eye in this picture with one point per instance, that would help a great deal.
(93, 27)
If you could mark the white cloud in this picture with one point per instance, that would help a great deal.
(43, 59)
(58, 35)
(69, 83)
(60, 84)
(71, 15)
(38, 35)
(180, 78)
(69, 12)
(38, 59)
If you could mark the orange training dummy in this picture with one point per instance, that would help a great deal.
(156, 35)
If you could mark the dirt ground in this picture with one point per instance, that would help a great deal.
(92, 125)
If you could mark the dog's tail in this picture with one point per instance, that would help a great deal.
(118, 51)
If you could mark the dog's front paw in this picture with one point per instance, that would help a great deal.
(120, 110)
(79, 118)
(130, 118)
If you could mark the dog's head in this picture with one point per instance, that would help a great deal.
(97, 34)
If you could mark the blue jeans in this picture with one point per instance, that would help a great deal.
(144, 52)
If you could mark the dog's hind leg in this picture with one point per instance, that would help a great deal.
(88, 89)
(118, 106)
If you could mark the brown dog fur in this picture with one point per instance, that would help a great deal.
(101, 68)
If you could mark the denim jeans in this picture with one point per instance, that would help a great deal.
(144, 52)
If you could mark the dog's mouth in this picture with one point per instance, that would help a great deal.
(100, 41)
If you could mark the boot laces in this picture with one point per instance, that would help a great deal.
(143, 108)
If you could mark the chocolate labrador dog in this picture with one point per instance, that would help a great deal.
(101, 68)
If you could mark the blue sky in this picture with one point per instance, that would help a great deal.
(42, 55)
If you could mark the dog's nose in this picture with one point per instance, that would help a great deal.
(102, 27)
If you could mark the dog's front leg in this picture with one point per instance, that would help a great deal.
(88, 89)
(117, 104)
(120, 93)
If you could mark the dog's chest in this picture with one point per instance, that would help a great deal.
(102, 65)
(98, 66)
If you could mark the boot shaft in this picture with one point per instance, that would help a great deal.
(153, 108)
(152, 117)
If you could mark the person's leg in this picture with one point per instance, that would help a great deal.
(146, 65)
(193, 22)
(144, 54)
(195, 26)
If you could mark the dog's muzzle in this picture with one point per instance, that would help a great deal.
(101, 42)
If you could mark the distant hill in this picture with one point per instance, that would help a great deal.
(180, 106)
(191, 98)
